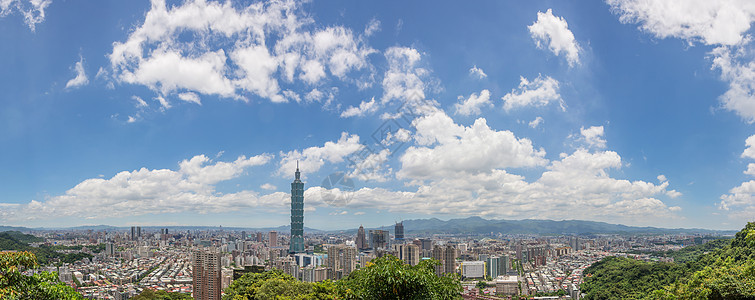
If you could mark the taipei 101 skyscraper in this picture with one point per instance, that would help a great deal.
(297, 214)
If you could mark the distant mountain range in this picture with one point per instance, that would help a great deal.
(471, 225)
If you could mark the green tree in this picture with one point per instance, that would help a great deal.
(388, 277)
(149, 294)
(15, 285)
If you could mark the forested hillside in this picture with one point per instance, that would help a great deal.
(717, 270)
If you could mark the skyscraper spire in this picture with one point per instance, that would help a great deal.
(297, 214)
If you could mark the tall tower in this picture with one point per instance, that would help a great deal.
(297, 214)
(361, 239)
(398, 232)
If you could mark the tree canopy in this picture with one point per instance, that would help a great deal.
(726, 271)
(40, 286)
(383, 278)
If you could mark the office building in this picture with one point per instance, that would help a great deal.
(361, 241)
(207, 277)
(297, 214)
(259, 237)
(272, 239)
(379, 239)
(473, 269)
(398, 231)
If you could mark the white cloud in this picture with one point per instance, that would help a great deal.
(749, 148)
(268, 186)
(32, 10)
(739, 71)
(593, 136)
(139, 101)
(313, 158)
(538, 93)
(662, 178)
(153, 191)
(554, 32)
(190, 97)
(477, 72)
(578, 183)
(372, 167)
(709, 21)
(473, 104)
(361, 110)
(81, 76)
(372, 27)
(750, 169)
(445, 147)
(403, 80)
(233, 51)
(164, 104)
(536, 122)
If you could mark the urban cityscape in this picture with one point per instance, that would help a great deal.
(371, 150)
(205, 262)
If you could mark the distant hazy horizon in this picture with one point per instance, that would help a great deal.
(197, 112)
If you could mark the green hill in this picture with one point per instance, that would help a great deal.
(721, 269)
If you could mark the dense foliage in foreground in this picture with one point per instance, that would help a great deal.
(727, 272)
(384, 278)
(42, 286)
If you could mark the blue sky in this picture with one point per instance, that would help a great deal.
(195, 112)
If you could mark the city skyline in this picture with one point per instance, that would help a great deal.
(137, 115)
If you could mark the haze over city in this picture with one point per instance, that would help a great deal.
(196, 112)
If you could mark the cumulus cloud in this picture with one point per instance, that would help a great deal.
(553, 32)
(538, 93)
(711, 22)
(268, 186)
(33, 11)
(578, 183)
(313, 158)
(361, 110)
(81, 76)
(403, 79)
(218, 48)
(739, 71)
(473, 104)
(444, 147)
(593, 136)
(153, 191)
(477, 72)
(536, 122)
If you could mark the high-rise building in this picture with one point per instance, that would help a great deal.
(342, 260)
(109, 249)
(574, 243)
(361, 239)
(379, 239)
(447, 257)
(409, 253)
(207, 275)
(398, 231)
(243, 235)
(427, 244)
(272, 239)
(133, 233)
(297, 214)
(138, 232)
(259, 237)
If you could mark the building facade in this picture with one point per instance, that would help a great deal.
(207, 275)
(297, 214)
